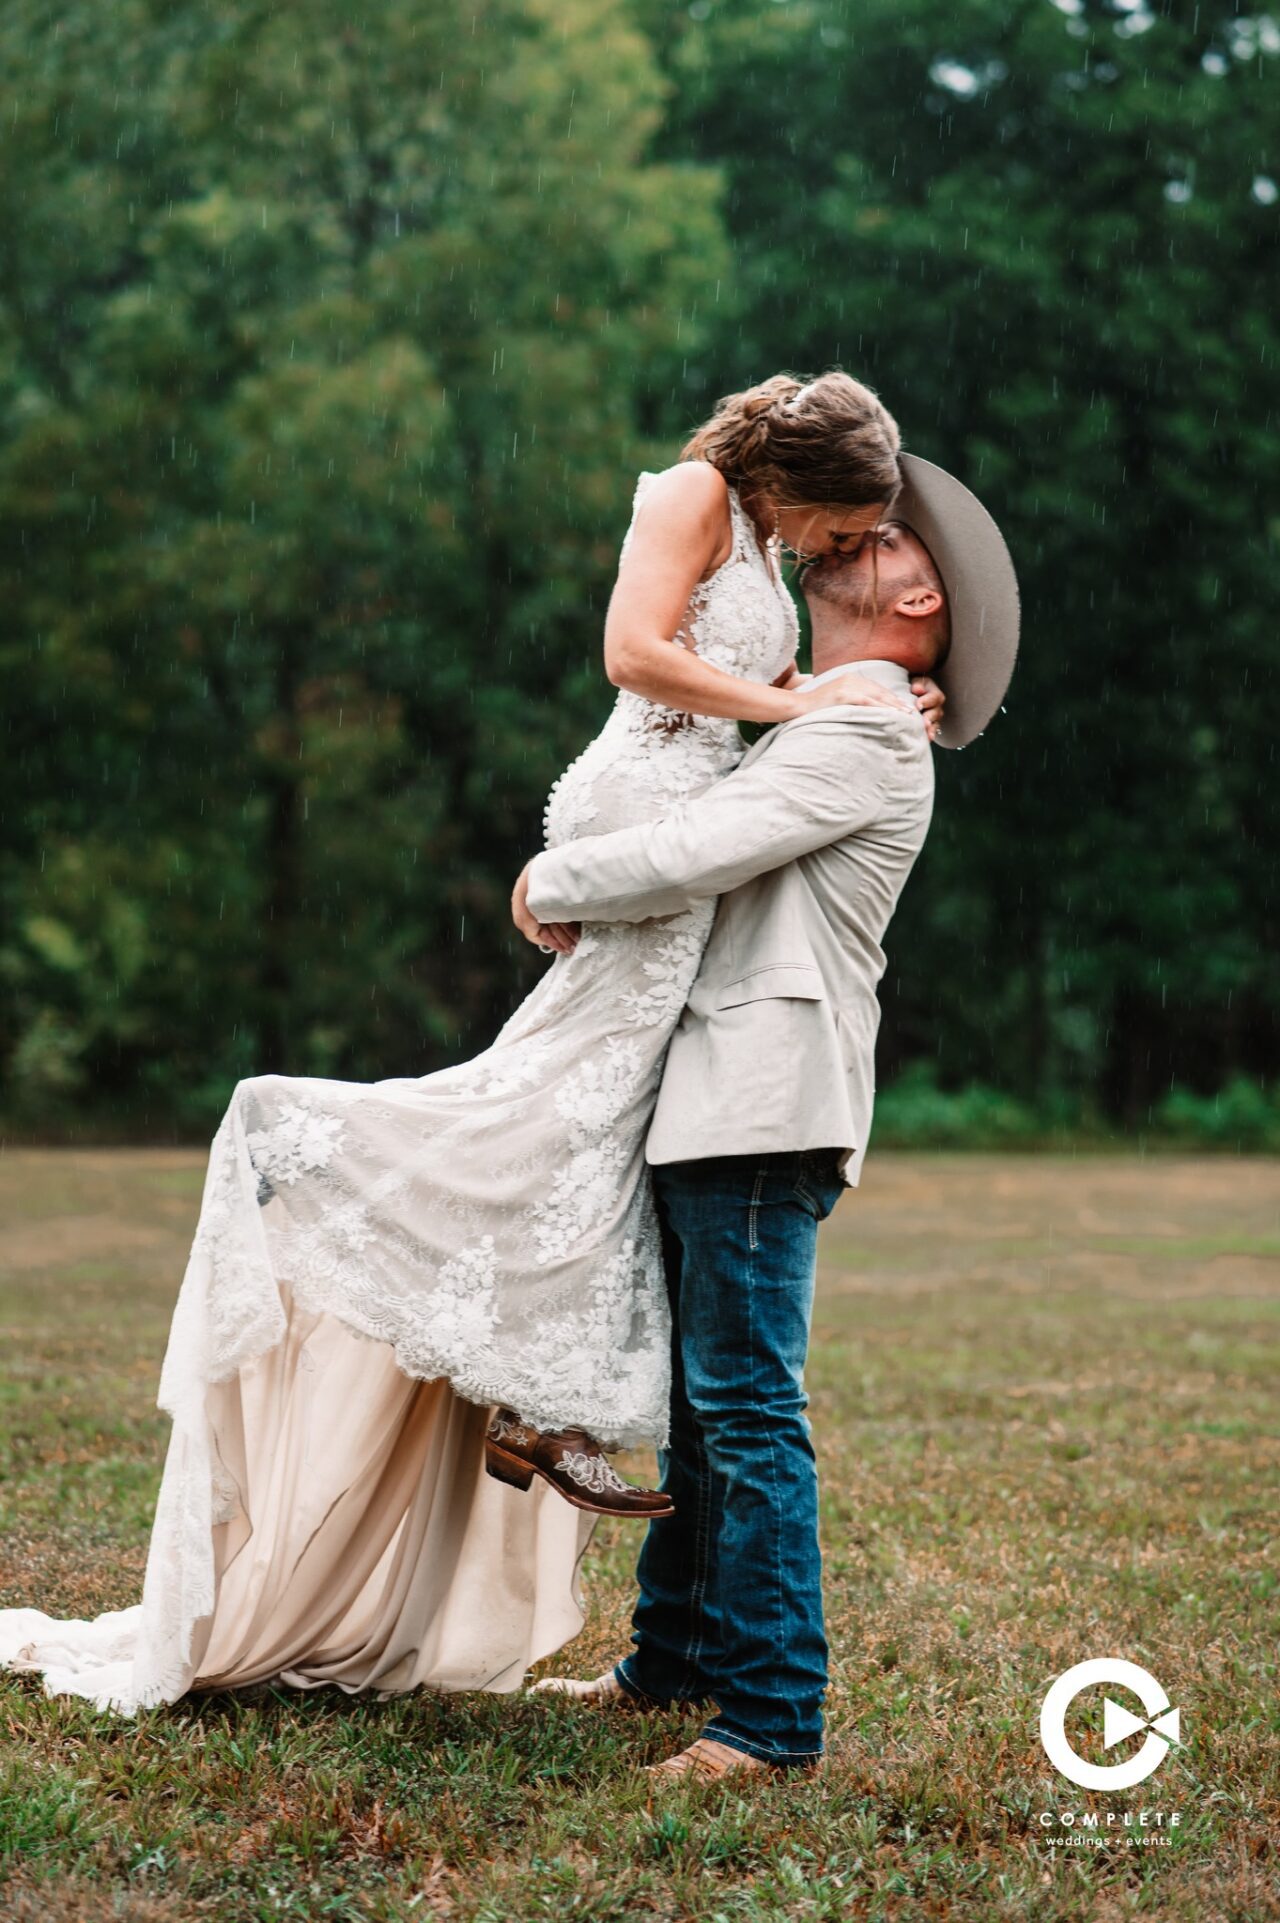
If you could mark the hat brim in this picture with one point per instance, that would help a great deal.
(977, 572)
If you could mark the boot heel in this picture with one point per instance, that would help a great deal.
(505, 1468)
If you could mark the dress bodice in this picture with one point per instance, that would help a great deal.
(649, 757)
(741, 618)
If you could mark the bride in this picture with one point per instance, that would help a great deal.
(376, 1265)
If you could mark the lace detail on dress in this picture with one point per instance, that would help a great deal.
(592, 1102)
(466, 1297)
(297, 1145)
(670, 973)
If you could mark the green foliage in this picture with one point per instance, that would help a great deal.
(329, 348)
(1048, 233)
(324, 353)
(1242, 1116)
(915, 1112)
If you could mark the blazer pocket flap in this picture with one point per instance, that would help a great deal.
(798, 980)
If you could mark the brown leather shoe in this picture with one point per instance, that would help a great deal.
(572, 1462)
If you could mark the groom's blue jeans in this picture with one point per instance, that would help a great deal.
(731, 1586)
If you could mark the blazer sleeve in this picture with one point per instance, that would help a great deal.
(817, 780)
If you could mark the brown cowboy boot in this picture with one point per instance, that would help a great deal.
(572, 1462)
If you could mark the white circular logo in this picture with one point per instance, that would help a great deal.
(1161, 1724)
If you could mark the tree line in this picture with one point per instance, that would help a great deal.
(330, 348)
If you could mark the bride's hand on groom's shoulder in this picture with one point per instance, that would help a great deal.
(553, 938)
(852, 690)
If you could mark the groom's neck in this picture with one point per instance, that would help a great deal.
(837, 643)
(837, 651)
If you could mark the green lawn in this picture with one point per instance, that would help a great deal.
(1044, 1393)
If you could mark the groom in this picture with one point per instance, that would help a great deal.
(765, 1105)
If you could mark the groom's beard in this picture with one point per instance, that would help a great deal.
(852, 587)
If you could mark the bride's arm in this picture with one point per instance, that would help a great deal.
(682, 532)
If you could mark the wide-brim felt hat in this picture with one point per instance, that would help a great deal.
(977, 572)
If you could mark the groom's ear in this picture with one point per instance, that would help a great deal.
(918, 603)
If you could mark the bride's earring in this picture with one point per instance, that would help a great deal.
(776, 541)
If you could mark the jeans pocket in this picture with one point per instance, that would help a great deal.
(818, 1184)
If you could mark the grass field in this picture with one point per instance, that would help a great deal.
(1045, 1397)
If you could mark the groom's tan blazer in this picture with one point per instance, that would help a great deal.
(807, 843)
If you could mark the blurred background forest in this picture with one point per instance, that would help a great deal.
(331, 342)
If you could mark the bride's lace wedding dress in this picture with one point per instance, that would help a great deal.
(375, 1264)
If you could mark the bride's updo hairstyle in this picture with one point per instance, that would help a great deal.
(826, 443)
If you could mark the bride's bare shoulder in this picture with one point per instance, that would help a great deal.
(695, 486)
(688, 503)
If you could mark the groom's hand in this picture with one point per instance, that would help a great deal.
(553, 938)
(931, 702)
